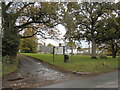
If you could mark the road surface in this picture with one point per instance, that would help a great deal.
(107, 80)
(33, 73)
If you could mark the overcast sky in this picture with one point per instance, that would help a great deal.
(56, 42)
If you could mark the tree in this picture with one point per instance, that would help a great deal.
(78, 49)
(70, 26)
(86, 16)
(109, 30)
(71, 44)
(50, 44)
(29, 45)
(17, 16)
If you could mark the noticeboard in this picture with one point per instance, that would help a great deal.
(58, 50)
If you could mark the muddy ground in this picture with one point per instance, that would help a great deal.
(33, 73)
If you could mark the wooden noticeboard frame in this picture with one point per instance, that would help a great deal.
(54, 52)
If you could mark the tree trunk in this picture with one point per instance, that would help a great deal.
(113, 49)
(10, 39)
(113, 54)
(93, 49)
(10, 43)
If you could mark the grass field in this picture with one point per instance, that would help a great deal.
(79, 63)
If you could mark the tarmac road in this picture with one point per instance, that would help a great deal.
(106, 80)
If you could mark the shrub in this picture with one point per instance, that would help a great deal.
(9, 64)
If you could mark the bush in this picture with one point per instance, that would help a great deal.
(5, 60)
(9, 64)
(10, 43)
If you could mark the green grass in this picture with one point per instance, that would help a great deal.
(0, 65)
(8, 67)
(79, 63)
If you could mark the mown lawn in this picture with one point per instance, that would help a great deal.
(79, 63)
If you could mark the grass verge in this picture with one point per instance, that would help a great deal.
(7, 66)
(79, 63)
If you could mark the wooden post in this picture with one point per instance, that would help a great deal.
(64, 53)
(71, 53)
(53, 53)
(63, 50)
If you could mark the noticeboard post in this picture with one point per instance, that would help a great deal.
(60, 51)
(53, 53)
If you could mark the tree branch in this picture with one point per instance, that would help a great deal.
(8, 5)
(18, 12)
(27, 23)
(85, 25)
(29, 36)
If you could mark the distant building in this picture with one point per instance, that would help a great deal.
(85, 50)
(45, 49)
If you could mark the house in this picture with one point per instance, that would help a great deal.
(85, 50)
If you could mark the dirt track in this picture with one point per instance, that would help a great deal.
(33, 73)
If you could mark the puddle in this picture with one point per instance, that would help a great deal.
(31, 72)
(15, 79)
